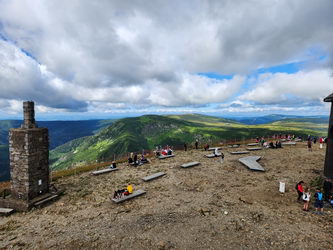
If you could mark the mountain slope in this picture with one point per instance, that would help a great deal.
(60, 131)
(146, 132)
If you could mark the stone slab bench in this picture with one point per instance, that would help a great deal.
(6, 211)
(50, 198)
(165, 156)
(239, 152)
(251, 163)
(288, 143)
(153, 176)
(131, 196)
(103, 171)
(213, 149)
(254, 149)
(190, 164)
(253, 144)
(213, 155)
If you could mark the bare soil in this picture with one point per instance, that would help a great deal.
(211, 206)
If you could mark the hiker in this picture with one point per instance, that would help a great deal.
(310, 145)
(327, 186)
(130, 160)
(314, 140)
(185, 146)
(306, 199)
(206, 147)
(319, 204)
(143, 159)
(135, 160)
(129, 189)
(300, 190)
(321, 141)
(222, 158)
(278, 144)
(113, 165)
(196, 144)
(271, 145)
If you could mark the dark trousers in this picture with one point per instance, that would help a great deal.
(299, 195)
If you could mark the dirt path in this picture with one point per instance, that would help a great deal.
(211, 206)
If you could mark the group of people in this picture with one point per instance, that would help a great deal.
(277, 144)
(167, 150)
(133, 160)
(304, 195)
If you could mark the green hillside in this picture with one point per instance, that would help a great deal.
(60, 131)
(145, 132)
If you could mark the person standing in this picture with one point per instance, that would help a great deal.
(309, 145)
(222, 157)
(300, 190)
(327, 186)
(306, 199)
(196, 144)
(319, 203)
(185, 146)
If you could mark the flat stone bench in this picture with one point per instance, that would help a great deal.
(153, 176)
(239, 152)
(103, 171)
(190, 164)
(253, 144)
(43, 201)
(6, 211)
(165, 156)
(128, 197)
(254, 149)
(213, 149)
(288, 143)
(213, 155)
(251, 163)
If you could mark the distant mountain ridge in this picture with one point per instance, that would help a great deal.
(60, 131)
(145, 132)
(276, 117)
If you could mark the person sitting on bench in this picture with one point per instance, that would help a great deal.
(143, 159)
(130, 161)
(278, 144)
(206, 147)
(271, 145)
(119, 193)
(129, 190)
(113, 165)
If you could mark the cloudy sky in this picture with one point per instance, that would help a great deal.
(83, 58)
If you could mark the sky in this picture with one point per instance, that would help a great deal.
(84, 59)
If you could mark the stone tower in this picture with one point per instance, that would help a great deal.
(328, 169)
(29, 160)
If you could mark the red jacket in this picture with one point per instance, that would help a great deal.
(300, 188)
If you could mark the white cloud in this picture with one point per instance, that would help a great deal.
(281, 87)
(120, 53)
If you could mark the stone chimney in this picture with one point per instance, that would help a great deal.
(29, 160)
(29, 115)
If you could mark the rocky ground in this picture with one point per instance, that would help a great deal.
(211, 206)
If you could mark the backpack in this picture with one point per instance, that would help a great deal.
(320, 196)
